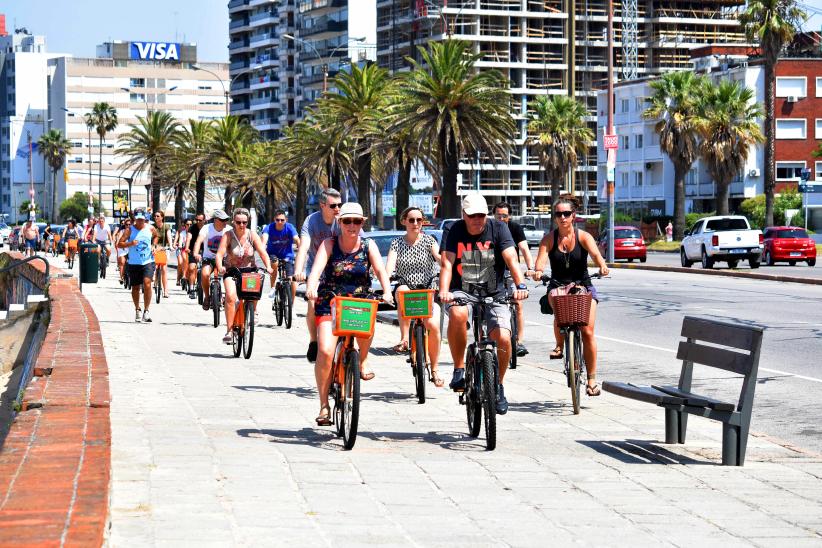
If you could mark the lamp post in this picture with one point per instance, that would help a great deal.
(226, 92)
(610, 183)
(320, 57)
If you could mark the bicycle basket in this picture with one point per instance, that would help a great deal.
(416, 303)
(250, 287)
(573, 309)
(160, 257)
(354, 317)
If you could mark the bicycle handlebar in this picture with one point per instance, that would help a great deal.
(547, 279)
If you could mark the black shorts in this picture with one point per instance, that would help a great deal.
(289, 264)
(209, 262)
(139, 272)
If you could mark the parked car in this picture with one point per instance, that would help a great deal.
(445, 224)
(5, 232)
(628, 244)
(726, 238)
(532, 234)
(788, 243)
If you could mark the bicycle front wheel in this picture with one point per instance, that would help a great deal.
(215, 304)
(514, 335)
(351, 399)
(418, 360)
(236, 342)
(289, 305)
(158, 279)
(489, 398)
(572, 367)
(248, 333)
(279, 312)
(471, 396)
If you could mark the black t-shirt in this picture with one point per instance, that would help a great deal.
(516, 232)
(194, 230)
(478, 258)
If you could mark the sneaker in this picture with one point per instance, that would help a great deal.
(138, 317)
(146, 317)
(521, 350)
(502, 403)
(272, 292)
(458, 380)
(227, 338)
(311, 355)
(192, 294)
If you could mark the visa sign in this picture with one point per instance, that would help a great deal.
(155, 51)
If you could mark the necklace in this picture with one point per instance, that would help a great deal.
(566, 255)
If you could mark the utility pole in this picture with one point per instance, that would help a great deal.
(31, 176)
(572, 76)
(611, 172)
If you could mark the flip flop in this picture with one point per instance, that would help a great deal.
(366, 375)
(400, 347)
(324, 418)
(556, 353)
(436, 379)
(593, 390)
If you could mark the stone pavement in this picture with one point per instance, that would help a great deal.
(213, 450)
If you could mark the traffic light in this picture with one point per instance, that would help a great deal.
(65, 174)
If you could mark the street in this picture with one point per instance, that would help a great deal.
(801, 269)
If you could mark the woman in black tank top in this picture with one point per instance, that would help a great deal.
(567, 248)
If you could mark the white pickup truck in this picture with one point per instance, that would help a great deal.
(728, 238)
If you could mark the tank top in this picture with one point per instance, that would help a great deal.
(71, 234)
(212, 241)
(240, 254)
(345, 274)
(100, 234)
(164, 233)
(568, 267)
(141, 253)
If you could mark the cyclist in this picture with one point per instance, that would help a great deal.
(342, 265)
(279, 238)
(502, 212)
(237, 247)
(164, 231)
(209, 240)
(139, 240)
(47, 237)
(191, 240)
(485, 245)
(124, 228)
(567, 248)
(413, 256)
(179, 245)
(102, 237)
(71, 232)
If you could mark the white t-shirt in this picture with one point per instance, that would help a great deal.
(211, 243)
(101, 234)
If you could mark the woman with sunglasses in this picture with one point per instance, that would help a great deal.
(567, 248)
(342, 266)
(179, 245)
(164, 231)
(413, 257)
(237, 249)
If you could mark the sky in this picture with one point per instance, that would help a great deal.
(78, 26)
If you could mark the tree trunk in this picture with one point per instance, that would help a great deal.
(403, 186)
(336, 179)
(449, 201)
(364, 185)
(229, 191)
(300, 201)
(155, 192)
(770, 133)
(722, 187)
(333, 176)
(378, 204)
(555, 181)
(270, 205)
(53, 195)
(178, 205)
(100, 177)
(679, 200)
(200, 192)
(248, 200)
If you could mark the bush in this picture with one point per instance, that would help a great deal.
(76, 207)
(691, 218)
(754, 209)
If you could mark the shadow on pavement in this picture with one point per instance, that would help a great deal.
(453, 441)
(389, 397)
(287, 356)
(638, 452)
(202, 354)
(540, 407)
(306, 436)
(307, 393)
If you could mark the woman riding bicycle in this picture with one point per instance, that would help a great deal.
(237, 249)
(567, 248)
(342, 267)
(165, 241)
(122, 254)
(71, 232)
(180, 240)
(413, 256)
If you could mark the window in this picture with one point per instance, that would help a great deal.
(791, 128)
(137, 83)
(690, 178)
(819, 86)
(818, 176)
(638, 140)
(787, 86)
(136, 97)
(818, 132)
(789, 170)
(637, 178)
(638, 104)
(626, 105)
(625, 142)
(623, 179)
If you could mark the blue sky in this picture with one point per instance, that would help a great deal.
(77, 26)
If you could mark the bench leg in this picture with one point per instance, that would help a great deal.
(730, 445)
(671, 426)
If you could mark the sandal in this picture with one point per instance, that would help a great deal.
(593, 390)
(401, 347)
(324, 418)
(436, 379)
(366, 375)
(556, 353)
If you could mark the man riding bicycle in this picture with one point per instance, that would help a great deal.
(191, 239)
(279, 238)
(102, 236)
(484, 246)
(209, 239)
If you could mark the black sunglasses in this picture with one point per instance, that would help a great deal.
(564, 214)
(240, 222)
(334, 206)
(414, 220)
(279, 220)
(350, 221)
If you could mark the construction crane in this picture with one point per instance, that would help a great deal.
(630, 40)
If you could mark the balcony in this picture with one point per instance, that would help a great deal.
(308, 54)
(737, 188)
(238, 44)
(264, 81)
(266, 38)
(323, 25)
(272, 15)
(311, 5)
(259, 103)
(314, 78)
(264, 59)
(236, 4)
(239, 23)
(237, 65)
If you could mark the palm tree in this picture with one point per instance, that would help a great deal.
(772, 24)
(674, 104)
(558, 131)
(463, 112)
(229, 139)
(147, 145)
(54, 147)
(193, 145)
(728, 121)
(102, 119)
(358, 106)
(326, 151)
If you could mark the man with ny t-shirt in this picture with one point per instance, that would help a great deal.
(477, 253)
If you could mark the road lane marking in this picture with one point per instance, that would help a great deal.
(652, 347)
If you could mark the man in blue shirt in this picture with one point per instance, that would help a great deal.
(279, 238)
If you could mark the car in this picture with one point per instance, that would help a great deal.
(727, 238)
(445, 224)
(532, 235)
(5, 232)
(628, 244)
(788, 243)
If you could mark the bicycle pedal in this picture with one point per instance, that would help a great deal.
(462, 399)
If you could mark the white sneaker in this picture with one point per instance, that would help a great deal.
(137, 316)
(146, 317)
(272, 293)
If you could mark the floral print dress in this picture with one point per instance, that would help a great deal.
(345, 274)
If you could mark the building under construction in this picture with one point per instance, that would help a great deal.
(528, 41)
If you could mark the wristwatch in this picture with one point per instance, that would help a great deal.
(522, 287)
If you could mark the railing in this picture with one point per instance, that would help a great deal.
(25, 261)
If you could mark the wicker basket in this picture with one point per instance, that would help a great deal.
(574, 309)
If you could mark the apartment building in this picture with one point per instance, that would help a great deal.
(542, 51)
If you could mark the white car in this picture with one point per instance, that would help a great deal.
(726, 238)
(5, 232)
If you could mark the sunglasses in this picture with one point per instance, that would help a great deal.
(502, 215)
(563, 214)
(200, 220)
(334, 206)
(240, 222)
(414, 220)
(349, 221)
(477, 216)
(279, 220)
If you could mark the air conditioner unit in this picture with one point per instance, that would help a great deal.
(754, 172)
(649, 165)
(792, 98)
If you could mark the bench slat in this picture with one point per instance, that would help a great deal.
(641, 393)
(726, 334)
(696, 400)
(727, 360)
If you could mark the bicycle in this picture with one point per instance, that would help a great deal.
(352, 317)
(481, 366)
(103, 260)
(416, 304)
(199, 283)
(283, 305)
(572, 309)
(55, 246)
(513, 309)
(216, 295)
(249, 289)
(71, 252)
(160, 259)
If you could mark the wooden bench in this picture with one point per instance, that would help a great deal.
(731, 347)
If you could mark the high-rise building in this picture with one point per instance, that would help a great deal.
(528, 41)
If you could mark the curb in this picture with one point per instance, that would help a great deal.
(726, 273)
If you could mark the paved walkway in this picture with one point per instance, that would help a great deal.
(213, 450)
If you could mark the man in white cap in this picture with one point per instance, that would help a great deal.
(140, 240)
(476, 254)
(209, 239)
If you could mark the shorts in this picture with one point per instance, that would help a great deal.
(209, 262)
(289, 264)
(497, 315)
(139, 272)
(31, 244)
(121, 252)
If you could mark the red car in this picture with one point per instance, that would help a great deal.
(628, 244)
(788, 243)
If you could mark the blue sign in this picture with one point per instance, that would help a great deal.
(155, 51)
(810, 187)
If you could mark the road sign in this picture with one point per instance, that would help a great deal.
(611, 142)
(812, 188)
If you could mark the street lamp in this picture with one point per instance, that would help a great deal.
(320, 57)
(226, 92)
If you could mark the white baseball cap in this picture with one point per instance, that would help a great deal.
(474, 203)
